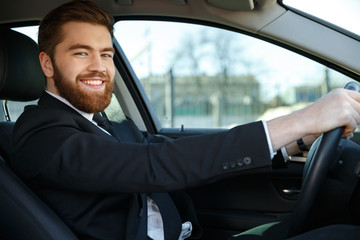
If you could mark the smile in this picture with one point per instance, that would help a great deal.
(93, 82)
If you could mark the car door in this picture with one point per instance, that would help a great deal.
(188, 78)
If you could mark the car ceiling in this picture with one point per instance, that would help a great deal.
(222, 11)
(265, 18)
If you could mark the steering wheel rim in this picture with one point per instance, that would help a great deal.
(323, 154)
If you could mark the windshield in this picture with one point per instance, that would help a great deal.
(343, 13)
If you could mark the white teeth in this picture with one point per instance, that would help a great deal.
(94, 83)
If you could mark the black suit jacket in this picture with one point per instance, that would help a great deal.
(98, 184)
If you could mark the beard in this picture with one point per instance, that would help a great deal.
(86, 101)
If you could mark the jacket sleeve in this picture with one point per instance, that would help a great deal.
(55, 151)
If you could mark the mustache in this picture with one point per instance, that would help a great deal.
(101, 75)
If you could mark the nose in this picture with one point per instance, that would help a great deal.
(97, 65)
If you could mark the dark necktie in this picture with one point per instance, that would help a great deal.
(103, 123)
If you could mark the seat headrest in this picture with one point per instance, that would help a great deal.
(21, 77)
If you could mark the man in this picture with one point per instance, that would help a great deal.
(107, 186)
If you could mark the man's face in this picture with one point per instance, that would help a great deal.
(83, 66)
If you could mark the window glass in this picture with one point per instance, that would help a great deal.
(114, 111)
(16, 108)
(204, 77)
(30, 31)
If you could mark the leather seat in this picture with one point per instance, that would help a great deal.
(21, 77)
(22, 214)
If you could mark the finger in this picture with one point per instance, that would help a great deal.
(349, 112)
(355, 114)
(355, 105)
(349, 135)
(353, 94)
(351, 125)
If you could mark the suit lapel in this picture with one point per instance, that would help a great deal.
(83, 123)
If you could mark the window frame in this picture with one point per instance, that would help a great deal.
(143, 104)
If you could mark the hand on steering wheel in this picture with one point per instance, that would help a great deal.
(322, 155)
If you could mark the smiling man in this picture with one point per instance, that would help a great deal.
(114, 186)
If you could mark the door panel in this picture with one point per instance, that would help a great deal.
(237, 204)
(233, 205)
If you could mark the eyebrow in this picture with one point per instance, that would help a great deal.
(84, 46)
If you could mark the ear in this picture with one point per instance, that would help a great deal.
(46, 65)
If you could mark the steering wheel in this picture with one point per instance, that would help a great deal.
(320, 157)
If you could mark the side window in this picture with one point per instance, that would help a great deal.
(16, 108)
(114, 111)
(204, 77)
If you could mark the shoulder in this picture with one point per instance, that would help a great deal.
(38, 118)
(43, 115)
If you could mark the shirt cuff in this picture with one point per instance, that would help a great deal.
(271, 150)
(285, 154)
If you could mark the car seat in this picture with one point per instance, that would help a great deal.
(22, 214)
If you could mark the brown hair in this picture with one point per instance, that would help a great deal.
(50, 33)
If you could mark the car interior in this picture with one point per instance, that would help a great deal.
(235, 205)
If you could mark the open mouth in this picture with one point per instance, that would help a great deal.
(94, 83)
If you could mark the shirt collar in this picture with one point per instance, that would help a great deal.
(88, 116)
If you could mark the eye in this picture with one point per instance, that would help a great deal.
(107, 55)
(80, 53)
